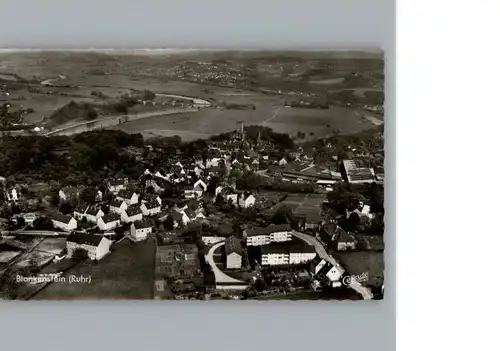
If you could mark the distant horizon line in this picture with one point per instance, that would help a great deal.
(366, 49)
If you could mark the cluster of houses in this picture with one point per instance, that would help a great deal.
(135, 203)
(325, 272)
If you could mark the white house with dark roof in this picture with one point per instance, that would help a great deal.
(321, 269)
(155, 184)
(132, 214)
(152, 198)
(180, 218)
(247, 201)
(117, 185)
(195, 191)
(117, 206)
(13, 195)
(108, 222)
(345, 241)
(200, 185)
(361, 210)
(140, 230)
(97, 246)
(232, 198)
(129, 196)
(64, 222)
(233, 252)
(150, 208)
(93, 214)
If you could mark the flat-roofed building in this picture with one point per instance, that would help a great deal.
(267, 235)
(274, 254)
(357, 175)
(287, 253)
(301, 253)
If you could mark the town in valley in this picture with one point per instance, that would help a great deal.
(191, 175)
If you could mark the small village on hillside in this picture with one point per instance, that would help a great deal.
(247, 214)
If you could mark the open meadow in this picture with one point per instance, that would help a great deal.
(127, 273)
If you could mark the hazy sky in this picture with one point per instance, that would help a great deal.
(201, 23)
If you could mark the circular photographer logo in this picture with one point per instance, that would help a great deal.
(348, 280)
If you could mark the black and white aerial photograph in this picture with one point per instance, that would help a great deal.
(190, 174)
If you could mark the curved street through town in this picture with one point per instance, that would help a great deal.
(321, 251)
(220, 277)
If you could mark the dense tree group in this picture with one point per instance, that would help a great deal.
(84, 158)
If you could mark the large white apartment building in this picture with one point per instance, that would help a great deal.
(267, 235)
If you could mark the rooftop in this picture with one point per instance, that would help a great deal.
(116, 203)
(93, 211)
(59, 217)
(141, 225)
(233, 244)
(274, 249)
(126, 193)
(133, 210)
(110, 218)
(150, 205)
(268, 230)
(85, 239)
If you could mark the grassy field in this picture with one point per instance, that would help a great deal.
(359, 262)
(127, 273)
(303, 204)
(321, 123)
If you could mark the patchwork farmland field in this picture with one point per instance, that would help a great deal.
(300, 204)
(314, 122)
(240, 79)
